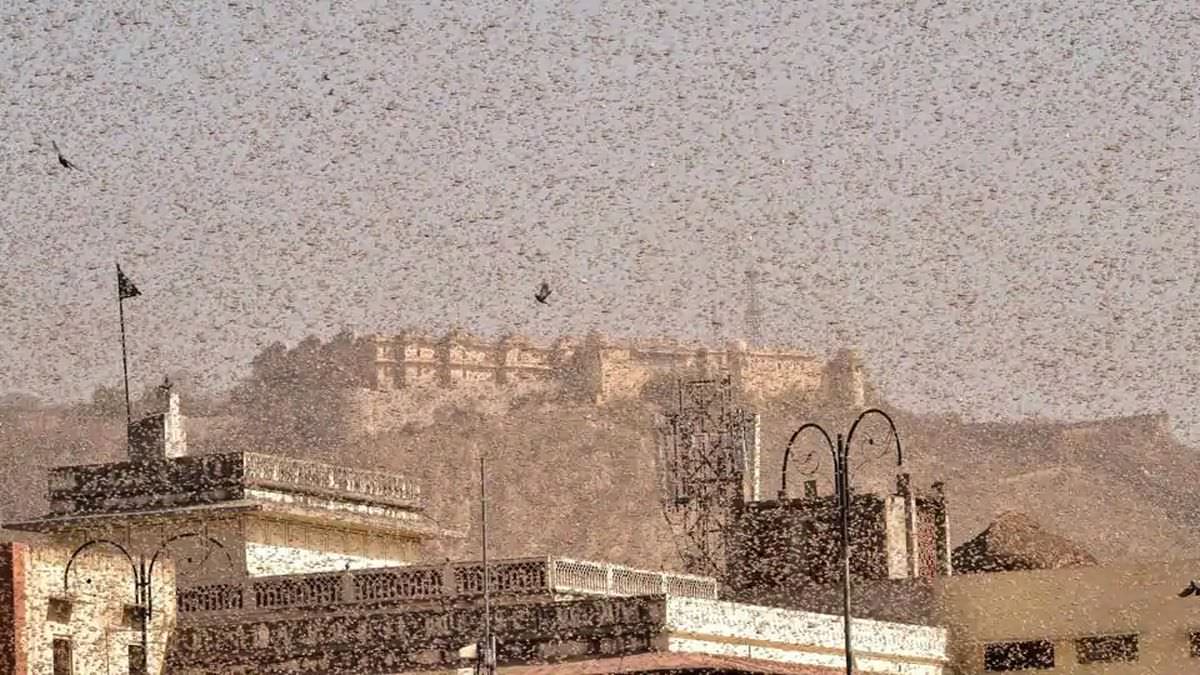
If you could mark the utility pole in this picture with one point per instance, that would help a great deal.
(487, 651)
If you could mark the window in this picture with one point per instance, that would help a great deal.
(59, 610)
(1030, 655)
(137, 660)
(1107, 648)
(131, 617)
(62, 656)
(1194, 642)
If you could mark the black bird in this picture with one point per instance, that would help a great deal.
(1192, 589)
(67, 164)
(543, 293)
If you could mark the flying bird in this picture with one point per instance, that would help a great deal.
(67, 164)
(543, 293)
(1192, 589)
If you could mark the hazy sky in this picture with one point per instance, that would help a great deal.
(997, 204)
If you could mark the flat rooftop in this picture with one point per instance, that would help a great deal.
(515, 579)
(583, 634)
(118, 487)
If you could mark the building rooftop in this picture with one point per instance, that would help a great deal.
(648, 629)
(511, 579)
(201, 479)
(160, 480)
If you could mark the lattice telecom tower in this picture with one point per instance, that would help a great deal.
(709, 462)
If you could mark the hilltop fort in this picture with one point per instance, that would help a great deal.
(598, 367)
(594, 369)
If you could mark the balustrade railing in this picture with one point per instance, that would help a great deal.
(454, 581)
(272, 469)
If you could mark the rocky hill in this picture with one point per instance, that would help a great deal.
(581, 480)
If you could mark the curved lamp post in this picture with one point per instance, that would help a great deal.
(143, 596)
(841, 479)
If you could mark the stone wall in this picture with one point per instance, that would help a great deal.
(410, 370)
(778, 543)
(443, 585)
(609, 368)
(393, 638)
(1064, 606)
(789, 551)
(280, 547)
(804, 637)
(129, 486)
(206, 479)
(197, 558)
(387, 640)
(95, 611)
(12, 584)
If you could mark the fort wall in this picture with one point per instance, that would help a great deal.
(412, 375)
(596, 367)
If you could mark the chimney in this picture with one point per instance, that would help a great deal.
(160, 436)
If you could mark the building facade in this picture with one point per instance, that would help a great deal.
(87, 621)
(598, 368)
(550, 613)
(787, 551)
(1108, 620)
(236, 514)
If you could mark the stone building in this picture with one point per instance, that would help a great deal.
(1124, 619)
(598, 368)
(270, 579)
(411, 372)
(787, 551)
(87, 621)
(236, 514)
(557, 614)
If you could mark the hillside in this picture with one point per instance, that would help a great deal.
(580, 480)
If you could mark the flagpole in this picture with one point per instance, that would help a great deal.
(124, 357)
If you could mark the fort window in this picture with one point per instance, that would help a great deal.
(1027, 655)
(1107, 649)
(62, 656)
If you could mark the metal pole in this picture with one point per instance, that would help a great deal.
(145, 605)
(842, 468)
(485, 654)
(124, 363)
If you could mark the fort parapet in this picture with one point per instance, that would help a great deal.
(598, 368)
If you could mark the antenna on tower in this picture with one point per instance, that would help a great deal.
(753, 310)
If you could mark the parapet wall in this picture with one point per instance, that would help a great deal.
(205, 479)
(788, 551)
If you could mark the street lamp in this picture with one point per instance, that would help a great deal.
(143, 595)
(841, 479)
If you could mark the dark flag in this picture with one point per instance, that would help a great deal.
(125, 287)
